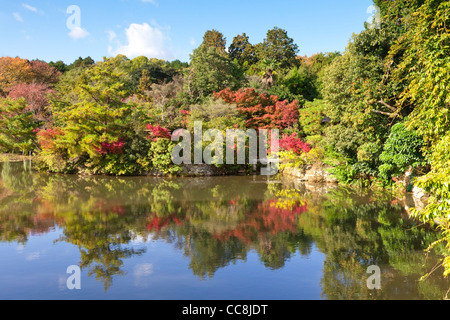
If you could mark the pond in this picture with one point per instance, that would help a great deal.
(214, 238)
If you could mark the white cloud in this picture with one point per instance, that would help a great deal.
(78, 33)
(151, 1)
(111, 35)
(17, 16)
(143, 40)
(28, 7)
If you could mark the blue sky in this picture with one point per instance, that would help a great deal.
(169, 29)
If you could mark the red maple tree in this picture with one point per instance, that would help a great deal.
(260, 110)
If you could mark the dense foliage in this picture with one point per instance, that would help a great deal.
(402, 152)
(397, 73)
(373, 113)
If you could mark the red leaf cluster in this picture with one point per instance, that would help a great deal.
(185, 114)
(111, 148)
(35, 95)
(261, 111)
(157, 223)
(44, 73)
(266, 219)
(294, 144)
(158, 132)
(46, 137)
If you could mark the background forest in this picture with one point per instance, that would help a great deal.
(370, 114)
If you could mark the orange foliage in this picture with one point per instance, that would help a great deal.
(14, 71)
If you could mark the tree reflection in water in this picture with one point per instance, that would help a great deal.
(218, 221)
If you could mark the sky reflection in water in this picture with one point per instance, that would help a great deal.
(204, 238)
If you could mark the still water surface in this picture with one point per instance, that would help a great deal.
(205, 238)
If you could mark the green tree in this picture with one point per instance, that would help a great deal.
(144, 71)
(316, 65)
(360, 96)
(210, 71)
(242, 50)
(17, 126)
(82, 63)
(98, 130)
(215, 39)
(302, 81)
(59, 65)
(280, 47)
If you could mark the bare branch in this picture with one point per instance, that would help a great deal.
(385, 113)
(393, 109)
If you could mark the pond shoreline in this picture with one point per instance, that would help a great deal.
(8, 157)
(306, 175)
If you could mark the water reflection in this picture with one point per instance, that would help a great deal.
(218, 221)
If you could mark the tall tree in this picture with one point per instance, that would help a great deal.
(215, 39)
(423, 70)
(12, 71)
(82, 63)
(280, 47)
(59, 65)
(44, 73)
(211, 71)
(17, 126)
(242, 50)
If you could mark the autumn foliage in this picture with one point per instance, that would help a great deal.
(270, 217)
(13, 71)
(44, 73)
(260, 110)
(158, 223)
(294, 144)
(36, 96)
(157, 132)
(46, 138)
(111, 148)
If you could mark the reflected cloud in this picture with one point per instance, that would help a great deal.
(32, 256)
(141, 274)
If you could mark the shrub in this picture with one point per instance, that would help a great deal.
(294, 144)
(401, 151)
(313, 119)
(160, 154)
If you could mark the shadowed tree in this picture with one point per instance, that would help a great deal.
(242, 50)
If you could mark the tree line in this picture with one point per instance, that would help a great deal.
(374, 113)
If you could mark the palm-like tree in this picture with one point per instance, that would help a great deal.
(268, 73)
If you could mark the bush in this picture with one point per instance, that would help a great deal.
(401, 151)
(294, 144)
(313, 119)
(160, 154)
